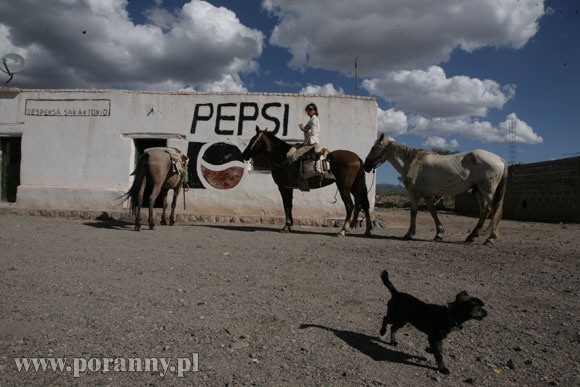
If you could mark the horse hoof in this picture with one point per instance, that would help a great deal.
(489, 242)
(285, 230)
(171, 222)
(438, 238)
(469, 240)
(137, 228)
(368, 233)
(342, 233)
(163, 223)
(407, 237)
(151, 226)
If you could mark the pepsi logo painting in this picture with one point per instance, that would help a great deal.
(218, 165)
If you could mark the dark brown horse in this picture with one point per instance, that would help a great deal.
(346, 167)
(158, 170)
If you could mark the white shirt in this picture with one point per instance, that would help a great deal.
(312, 131)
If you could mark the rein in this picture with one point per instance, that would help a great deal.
(380, 158)
(256, 140)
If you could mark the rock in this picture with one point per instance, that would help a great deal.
(239, 345)
(436, 377)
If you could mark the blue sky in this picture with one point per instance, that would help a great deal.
(452, 74)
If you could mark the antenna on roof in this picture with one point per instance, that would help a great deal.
(11, 63)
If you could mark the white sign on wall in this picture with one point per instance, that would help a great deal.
(68, 107)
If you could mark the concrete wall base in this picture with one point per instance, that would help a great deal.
(124, 215)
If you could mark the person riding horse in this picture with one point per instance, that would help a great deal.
(346, 169)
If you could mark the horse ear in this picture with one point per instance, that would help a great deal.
(382, 137)
(257, 129)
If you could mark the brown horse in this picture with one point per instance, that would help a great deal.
(346, 167)
(158, 170)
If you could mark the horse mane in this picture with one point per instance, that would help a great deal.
(403, 151)
(278, 142)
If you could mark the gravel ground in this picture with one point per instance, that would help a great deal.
(270, 309)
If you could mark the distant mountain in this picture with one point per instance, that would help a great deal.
(382, 188)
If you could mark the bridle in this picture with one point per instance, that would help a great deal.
(256, 140)
(380, 159)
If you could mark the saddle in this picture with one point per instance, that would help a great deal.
(313, 164)
(178, 160)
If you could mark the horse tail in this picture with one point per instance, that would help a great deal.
(140, 172)
(361, 188)
(497, 203)
(359, 191)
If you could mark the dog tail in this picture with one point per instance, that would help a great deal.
(388, 284)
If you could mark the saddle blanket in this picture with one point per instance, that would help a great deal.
(178, 159)
(313, 168)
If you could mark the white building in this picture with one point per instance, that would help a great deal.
(75, 149)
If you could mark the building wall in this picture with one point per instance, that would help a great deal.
(545, 191)
(78, 150)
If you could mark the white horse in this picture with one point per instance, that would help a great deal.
(429, 175)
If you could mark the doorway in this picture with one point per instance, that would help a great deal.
(9, 168)
(140, 145)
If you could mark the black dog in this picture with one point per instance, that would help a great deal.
(437, 321)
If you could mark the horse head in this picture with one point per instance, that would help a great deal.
(256, 144)
(375, 156)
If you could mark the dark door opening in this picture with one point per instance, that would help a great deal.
(9, 168)
(140, 145)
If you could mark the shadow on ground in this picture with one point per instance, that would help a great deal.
(373, 347)
(105, 221)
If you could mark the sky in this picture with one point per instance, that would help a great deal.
(446, 74)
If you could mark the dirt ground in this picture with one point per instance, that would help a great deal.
(269, 309)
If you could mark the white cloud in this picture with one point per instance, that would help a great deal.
(392, 122)
(435, 142)
(228, 83)
(482, 131)
(168, 85)
(437, 107)
(94, 43)
(288, 84)
(523, 132)
(400, 45)
(433, 94)
(396, 34)
(327, 89)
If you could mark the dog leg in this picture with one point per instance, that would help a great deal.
(436, 347)
(384, 326)
(394, 328)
